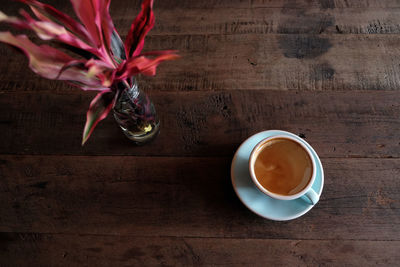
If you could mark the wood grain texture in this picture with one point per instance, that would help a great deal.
(78, 250)
(301, 45)
(327, 70)
(187, 197)
(266, 21)
(269, 17)
(337, 124)
(251, 61)
(133, 5)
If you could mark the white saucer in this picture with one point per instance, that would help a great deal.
(254, 199)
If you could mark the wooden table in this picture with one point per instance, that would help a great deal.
(326, 70)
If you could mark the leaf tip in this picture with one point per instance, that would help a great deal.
(85, 137)
(3, 16)
(83, 141)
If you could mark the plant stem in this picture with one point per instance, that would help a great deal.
(126, 84)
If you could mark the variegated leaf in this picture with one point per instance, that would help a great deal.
(142, 24)
(99, 108)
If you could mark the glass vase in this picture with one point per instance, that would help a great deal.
(136, 115)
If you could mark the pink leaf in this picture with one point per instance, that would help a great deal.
(111, 38)
(144, 65)
(17, 23)
(91, 12)
(98, 110)
(48, 30)
(73, 63)
(142, 24)
(48, 61)
(86, 10)
(106, 22)
(102, 71)
(43, 11)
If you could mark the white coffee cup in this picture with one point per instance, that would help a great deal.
(307, 191)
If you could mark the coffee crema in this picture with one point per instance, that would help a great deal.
(283, 166)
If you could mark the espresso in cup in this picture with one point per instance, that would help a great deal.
(282, 166)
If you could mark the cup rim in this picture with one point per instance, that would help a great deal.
(269, 193)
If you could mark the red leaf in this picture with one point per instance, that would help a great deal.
(111, 37)
(89, 14)
(107, 25)
(99, 108)
(48, 61)
(48, 30)
(143, 65)
(73, 63)
(51, 13)
(13, 21)
(142, 24)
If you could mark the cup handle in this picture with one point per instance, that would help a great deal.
(312, 196)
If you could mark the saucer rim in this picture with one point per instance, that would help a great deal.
(288, 218)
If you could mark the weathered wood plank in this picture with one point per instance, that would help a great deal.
(251, 58)
(181, 209)
(260, 18)
(337, 124)
(187, 197)
(267, 21)
(133, 5)
(252, 61)
(291, 4)
(294, 62)
(77, 250)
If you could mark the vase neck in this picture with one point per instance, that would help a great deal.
(133, 91)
